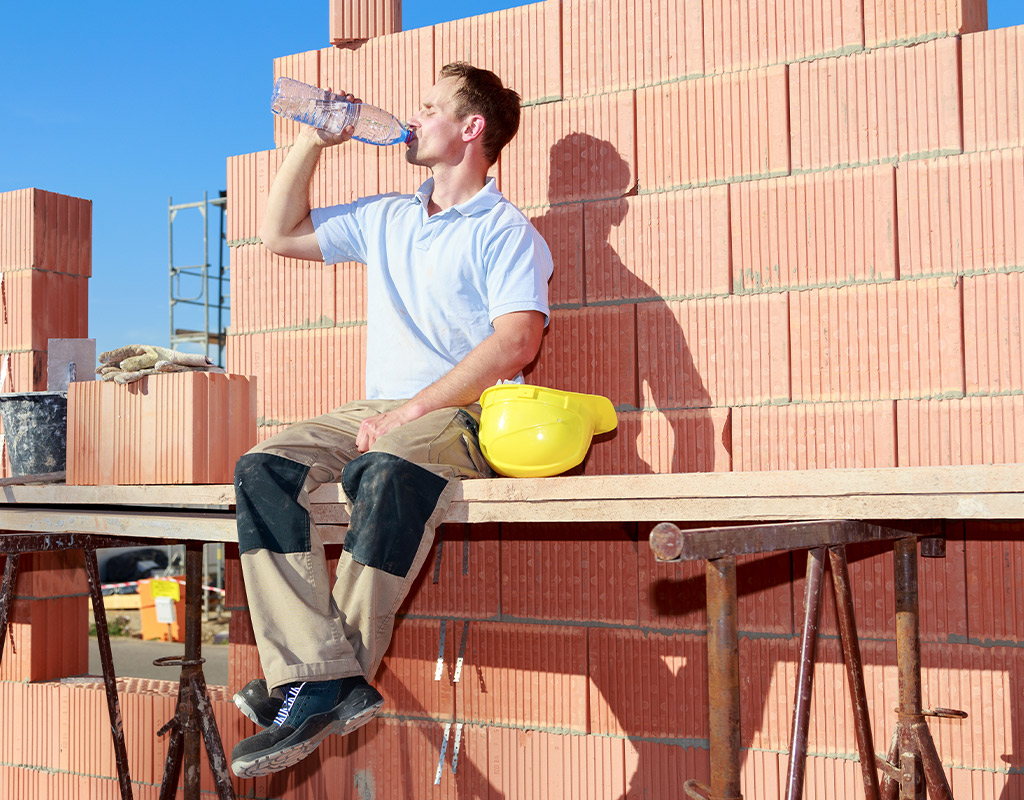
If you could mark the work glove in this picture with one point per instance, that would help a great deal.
(134, 361)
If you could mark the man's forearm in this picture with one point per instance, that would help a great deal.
(487, 364)
(502, 355)
(288, 199)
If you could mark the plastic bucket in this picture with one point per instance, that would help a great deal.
(36, 430)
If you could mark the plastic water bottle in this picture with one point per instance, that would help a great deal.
(331, 112)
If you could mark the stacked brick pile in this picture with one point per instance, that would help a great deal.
(45, 261)
(787, 235)
(45, 264)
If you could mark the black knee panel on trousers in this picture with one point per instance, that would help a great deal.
(391, 500)
(266, 506)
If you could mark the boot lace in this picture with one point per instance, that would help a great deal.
(289, 701)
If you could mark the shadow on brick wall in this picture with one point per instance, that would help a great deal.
(597, 346)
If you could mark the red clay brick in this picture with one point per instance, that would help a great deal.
(534, 765)
(765, 774)
(38, 305)
(572, 150)
(346, 173)
(642, 684)
(983, 681)
(670, 245)
(894, 340)
(672, 596)
(600, 41)
(994, 556)
(822, 229)
(408, 73)
(550, 576)
(243, 666)
(590, 350)
(270, 292)
(388, 758)
(49, 619)
(993, 69)
(942, 591)
(461, 579)
(521, 45)
(896, 21)
(993, 323)
(522, 675)
(693, 440)
(972, 430)
(713, 130)
(766, 601)
(717, 352)
(408, 677)
(363, 19)
(336, 365)
(685, 440)
(758, 33)
(657, 769)
(960, 215)
(882, 105)
(981, 783)
(161, 429)
(343, 174)
(241, 210)
(769, 666)
(45, 231)
(562, 229)
(26, 372)
(412, 66)
(814, 436)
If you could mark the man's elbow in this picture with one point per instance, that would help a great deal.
(523, 348)
(273, 240)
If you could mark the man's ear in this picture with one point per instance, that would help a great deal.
(473, 128)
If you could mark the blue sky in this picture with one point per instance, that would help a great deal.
(131, 103)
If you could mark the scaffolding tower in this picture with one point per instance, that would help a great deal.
(200, 285)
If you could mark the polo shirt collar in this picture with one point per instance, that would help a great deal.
(484, 200)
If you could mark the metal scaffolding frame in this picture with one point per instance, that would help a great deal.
(208, 286)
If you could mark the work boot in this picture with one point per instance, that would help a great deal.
(311, 711)
(257, 703)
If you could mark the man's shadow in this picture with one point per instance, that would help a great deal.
(665, 424)
(656, 374)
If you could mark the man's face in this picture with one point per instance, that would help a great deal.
(437, 132)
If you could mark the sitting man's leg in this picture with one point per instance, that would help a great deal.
(317, 646)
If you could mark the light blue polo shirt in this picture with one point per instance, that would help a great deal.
(434, 284)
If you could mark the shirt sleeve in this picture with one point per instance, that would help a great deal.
(341, 230)
(518, 271)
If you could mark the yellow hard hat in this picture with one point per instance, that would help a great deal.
(533, 431)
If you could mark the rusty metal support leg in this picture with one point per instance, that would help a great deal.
(99, 612)
(808, 644)
(211, 736)
(854, 669)
(7, 596)
(172, 764)
(913, 752)
(191, 666)
(724, 678)
(193, 720)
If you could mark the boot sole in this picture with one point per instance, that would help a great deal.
(296, 747)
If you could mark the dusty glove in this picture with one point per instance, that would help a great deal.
(131, 362)
(129, 377)
(134, 357)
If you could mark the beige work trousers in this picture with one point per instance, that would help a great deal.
(307, 628)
